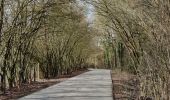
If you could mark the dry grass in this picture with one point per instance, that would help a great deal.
(125, 86)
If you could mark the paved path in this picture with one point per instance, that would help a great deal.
(92, 85)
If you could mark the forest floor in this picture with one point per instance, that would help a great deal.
(27, 89)
(125, 86)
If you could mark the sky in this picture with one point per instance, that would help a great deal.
(90, 14)
(89, 11)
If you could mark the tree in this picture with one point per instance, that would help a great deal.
(142, 32)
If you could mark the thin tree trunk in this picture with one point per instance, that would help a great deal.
(1, 18)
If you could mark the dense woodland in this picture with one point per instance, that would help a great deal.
(137, 40)
(56, 38)
(50, 36)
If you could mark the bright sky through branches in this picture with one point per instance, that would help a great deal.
(90, 15)
(89, 10)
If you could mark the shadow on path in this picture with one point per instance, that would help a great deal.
(92, 85)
